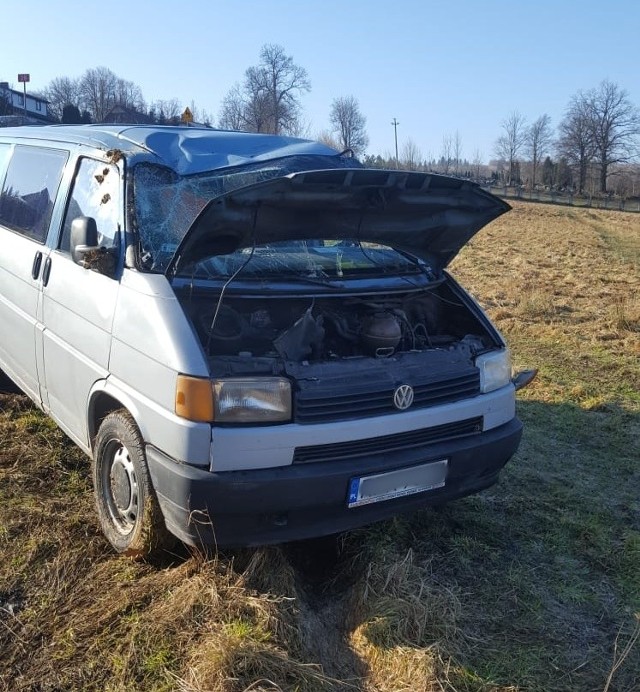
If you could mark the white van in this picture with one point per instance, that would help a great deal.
(253, 337)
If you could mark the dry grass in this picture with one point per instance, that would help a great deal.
(532, 585)
(565, 275)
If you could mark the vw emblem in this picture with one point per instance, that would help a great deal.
(403, 397)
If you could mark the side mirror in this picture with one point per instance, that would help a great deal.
(85, 250)
(84, 237)
(523, 378)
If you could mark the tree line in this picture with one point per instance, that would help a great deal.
(267, 100)
(98, 95)
(598, 135)
(593, 149)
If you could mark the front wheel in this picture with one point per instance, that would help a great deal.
(128, 510)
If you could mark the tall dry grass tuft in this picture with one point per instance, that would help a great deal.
(536, 305)
(625, 313)
(620, 654)
(403, 620)
(409, 607)
(252, 638)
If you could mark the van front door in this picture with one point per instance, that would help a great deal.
(79, 304)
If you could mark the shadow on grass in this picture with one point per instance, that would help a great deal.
(527, 584)
(530, 582)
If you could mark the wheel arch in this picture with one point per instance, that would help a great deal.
(103, 400)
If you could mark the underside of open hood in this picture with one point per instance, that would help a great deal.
(428, 216)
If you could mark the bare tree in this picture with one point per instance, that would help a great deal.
(129, 95)
(445, 156)
(477, 163)
(411, 155)
(284, 82)
(615, 124)
(625, 180)
(232, 113)
(61, 92)
(98, 89)
(269, 98)
(510, 143)
(576, 142)
(300, 127)
(328, 138)
(349, 122)
(457, 152)
(167, 110)
(539, 138)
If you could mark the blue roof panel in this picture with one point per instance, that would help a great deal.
(185, 149)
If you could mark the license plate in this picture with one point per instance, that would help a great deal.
(400, 483)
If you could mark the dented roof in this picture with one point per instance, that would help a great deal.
(184, 149)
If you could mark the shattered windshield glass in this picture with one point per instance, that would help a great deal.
(166, 204)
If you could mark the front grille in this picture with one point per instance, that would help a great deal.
(388, 443)
(371, 400)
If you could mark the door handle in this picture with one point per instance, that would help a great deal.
(46, 271)
(37, 263)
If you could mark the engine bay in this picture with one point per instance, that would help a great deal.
(247, 334)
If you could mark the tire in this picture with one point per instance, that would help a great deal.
(128, 509)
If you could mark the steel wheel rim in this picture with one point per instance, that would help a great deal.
(121, 487)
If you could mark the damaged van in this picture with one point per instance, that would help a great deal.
(254, 337)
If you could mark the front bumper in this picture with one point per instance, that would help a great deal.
(258, 507)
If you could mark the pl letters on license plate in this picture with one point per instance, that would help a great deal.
(392, 484)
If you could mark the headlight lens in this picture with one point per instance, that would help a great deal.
(495, 370)
(245, 400)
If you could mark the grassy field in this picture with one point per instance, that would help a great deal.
(531, 585)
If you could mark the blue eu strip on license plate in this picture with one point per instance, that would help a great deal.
(379, 487)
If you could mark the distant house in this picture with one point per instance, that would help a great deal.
(123, 115)
(126, 116)
(12, 106)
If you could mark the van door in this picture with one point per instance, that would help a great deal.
(78, 303)
(27, 199)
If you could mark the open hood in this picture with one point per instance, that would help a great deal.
(428, 216)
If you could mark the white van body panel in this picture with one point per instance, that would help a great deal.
(149, 321)
(273, 446)
(20, 296)
(186, 441)
(78, 309)
(152, 344)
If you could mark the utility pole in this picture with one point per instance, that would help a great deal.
(395, 124)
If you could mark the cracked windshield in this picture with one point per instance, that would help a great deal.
(167, 204)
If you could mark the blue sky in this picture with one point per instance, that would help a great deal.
(437, 67)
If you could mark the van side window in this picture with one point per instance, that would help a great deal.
(95, 193)
(30, 189)
(5, 152)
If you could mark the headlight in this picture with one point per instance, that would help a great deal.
(244, 400)
(495, 370)
(194, 398)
